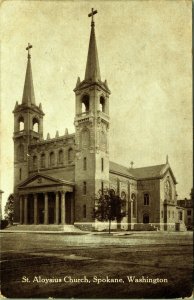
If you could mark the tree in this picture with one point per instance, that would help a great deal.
(9, 209)
(108, 207)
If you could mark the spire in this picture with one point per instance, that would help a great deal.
(92, 65)
(57, 134)
(28, 93)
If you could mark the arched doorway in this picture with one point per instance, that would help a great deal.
(146, 219)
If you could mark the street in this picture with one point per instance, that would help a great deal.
(133, 265)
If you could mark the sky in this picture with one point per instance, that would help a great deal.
(144, 50)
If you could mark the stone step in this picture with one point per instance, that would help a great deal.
(181, 227)
(145, 227)
(51, 227)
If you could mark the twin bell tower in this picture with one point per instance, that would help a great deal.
(91, 139)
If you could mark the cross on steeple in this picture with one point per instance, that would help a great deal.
(28, 49)
(93, 12)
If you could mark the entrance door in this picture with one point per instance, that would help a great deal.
(146, 219)
(41, 216)
(51, 215)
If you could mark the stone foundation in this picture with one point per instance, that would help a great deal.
(144, 227)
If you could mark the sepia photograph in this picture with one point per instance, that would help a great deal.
(96, 149)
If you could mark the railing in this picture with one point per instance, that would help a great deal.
(84, 114)
(25, 131)
(103, 115)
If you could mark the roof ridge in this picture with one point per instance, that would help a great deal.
(160, 165)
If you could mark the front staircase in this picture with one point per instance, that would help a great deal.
(145, 227)
(43, 228)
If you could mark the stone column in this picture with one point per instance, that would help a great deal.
(35, 209)
(63, 207)
(26, 209)
(21, 209)
(130, 214)
(45, 208)
(57, 208)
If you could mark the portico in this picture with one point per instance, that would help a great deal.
(43, 204)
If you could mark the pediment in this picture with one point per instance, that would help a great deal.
(40, 180)
(168, 172)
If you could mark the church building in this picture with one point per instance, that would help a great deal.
(56, 180)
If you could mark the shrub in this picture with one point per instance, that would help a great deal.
(4, 224)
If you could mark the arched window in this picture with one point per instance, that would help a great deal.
(102, 104)
(42, 160)
(21, 123)
(20, 152)
(34, 162)
(123, 201)
(52, 159)
(146, 199)
(85, 103)
(133, 197)
(60, 157)
(70, 155)
(123, 195)
(180, 215)
(35, 123)
(84, 188)
(85, 163)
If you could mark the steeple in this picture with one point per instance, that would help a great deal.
(28, 93)
(92, 66)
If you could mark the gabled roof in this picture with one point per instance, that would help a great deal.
(150, 172)
(119, 169)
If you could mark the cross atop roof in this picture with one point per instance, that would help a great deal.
(28, 49)
(131, 163)
(93, 12)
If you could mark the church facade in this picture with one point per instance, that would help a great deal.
(56, 180)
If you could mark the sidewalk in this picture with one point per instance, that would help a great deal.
(79, 232)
